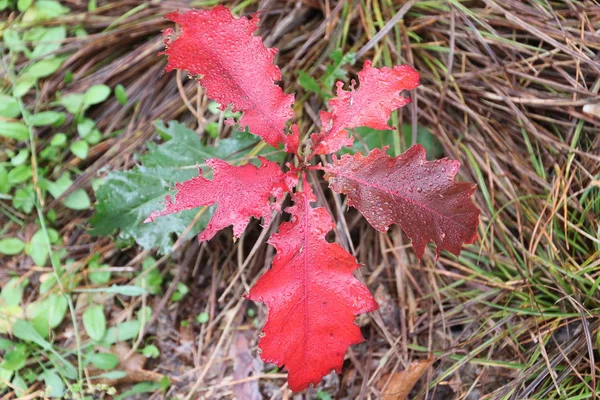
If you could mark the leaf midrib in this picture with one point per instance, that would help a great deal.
(407, 199)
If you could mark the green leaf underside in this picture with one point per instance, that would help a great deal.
(127, 198)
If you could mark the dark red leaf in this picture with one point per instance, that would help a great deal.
(235, 65)
(312, 297)
(240, 192)
(419, 195)
(370, 105)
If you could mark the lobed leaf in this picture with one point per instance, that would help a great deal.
(371, 105)
(419, 195)
(127, 198)
(241, 193)
(312, 297)
(235, 66)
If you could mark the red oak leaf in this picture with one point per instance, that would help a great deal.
(235, 65)
(312, 297)
(419, 195)
(370, 105)
(240, 192)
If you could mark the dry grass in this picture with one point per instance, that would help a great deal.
(503, 87)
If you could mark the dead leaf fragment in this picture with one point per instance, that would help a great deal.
(244, 366)
(398, 385)
(134, 362)
(592, 109)
(388, 309)
(133, 365)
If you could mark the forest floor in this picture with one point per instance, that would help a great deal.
(95, 303)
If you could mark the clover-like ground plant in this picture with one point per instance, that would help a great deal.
(310, 290)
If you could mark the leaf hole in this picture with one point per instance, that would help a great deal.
(330, 237)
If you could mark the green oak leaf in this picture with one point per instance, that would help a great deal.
(127, 198)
